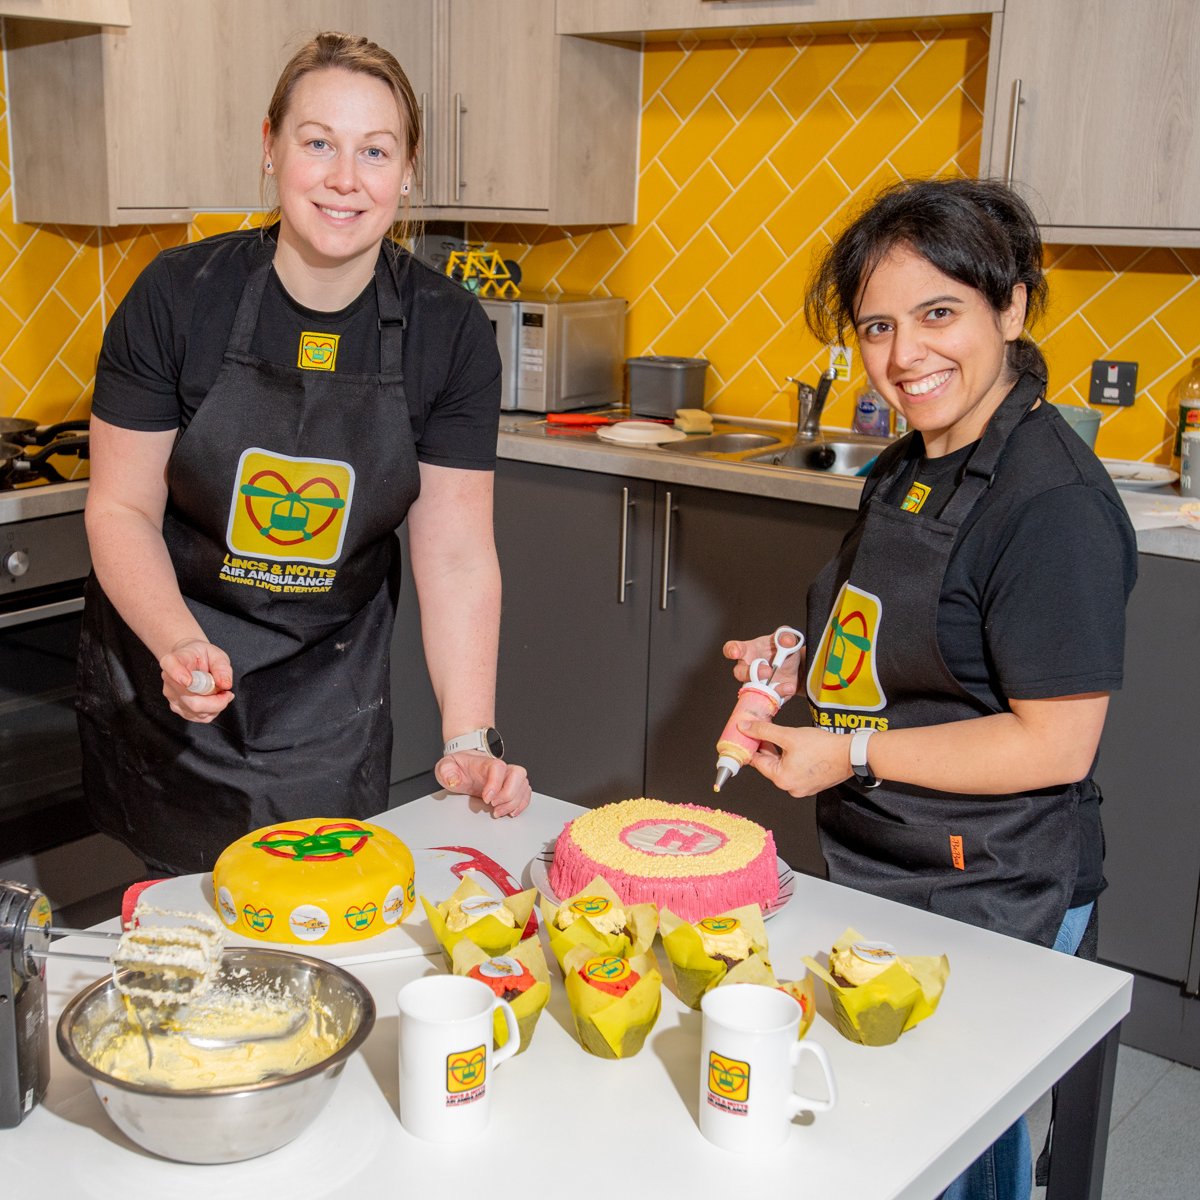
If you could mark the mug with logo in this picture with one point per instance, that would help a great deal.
(446, 1056)
(748, 1056)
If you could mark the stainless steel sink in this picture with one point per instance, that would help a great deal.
(727, 445)
(841, 456)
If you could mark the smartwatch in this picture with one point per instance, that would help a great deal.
(487, 740)
(858, 758)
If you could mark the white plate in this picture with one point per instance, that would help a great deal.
(539, 876)
(1138, 476)
(640, 433)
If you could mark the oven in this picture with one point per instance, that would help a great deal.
(44, 563)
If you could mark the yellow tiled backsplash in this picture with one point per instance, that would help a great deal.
(752, 154)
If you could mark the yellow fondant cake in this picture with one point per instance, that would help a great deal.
(315, 881)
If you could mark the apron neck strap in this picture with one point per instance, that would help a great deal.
(980, 470)
(244, 323)
(392, 321)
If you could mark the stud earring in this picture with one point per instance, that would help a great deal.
(268, 166)
(405, 189)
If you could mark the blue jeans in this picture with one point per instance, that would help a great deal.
(1004, 1171)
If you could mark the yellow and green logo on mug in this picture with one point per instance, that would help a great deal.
(728, 1078)
(466, 1069)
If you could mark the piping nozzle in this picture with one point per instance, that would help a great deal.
(727, 768)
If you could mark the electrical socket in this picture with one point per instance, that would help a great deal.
(1113, 382)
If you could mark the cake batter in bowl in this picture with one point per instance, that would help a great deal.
(215, 1104)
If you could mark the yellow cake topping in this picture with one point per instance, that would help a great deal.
(314, 880)
(460, 916)
(861, 962)
(725, 936)
(604, 915)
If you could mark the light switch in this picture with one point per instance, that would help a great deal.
(1113, 383)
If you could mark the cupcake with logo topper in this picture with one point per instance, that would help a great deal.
(615, 1001)
(595, 917)
(495, 926)
(520, 977)
(704, 953)
(878, 994)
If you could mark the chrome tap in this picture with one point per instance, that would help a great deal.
(811, 406)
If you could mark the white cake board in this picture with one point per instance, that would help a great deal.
(434, 879)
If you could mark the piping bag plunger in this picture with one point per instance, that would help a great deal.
(757, 701)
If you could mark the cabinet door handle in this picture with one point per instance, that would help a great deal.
(459, 109)
(1012, 131)
(666, 559)
(622, 582)
(423, 159)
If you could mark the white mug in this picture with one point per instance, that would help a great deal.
(749, 1052)
(446, 1056)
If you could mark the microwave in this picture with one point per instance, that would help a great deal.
(559, 351)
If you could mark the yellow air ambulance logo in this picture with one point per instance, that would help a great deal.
(318, 351)
(296, 507)
(842, 673)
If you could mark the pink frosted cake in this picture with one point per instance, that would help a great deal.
(695, 861)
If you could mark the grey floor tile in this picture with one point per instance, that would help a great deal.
(1154, 1153)
(1137, 1074)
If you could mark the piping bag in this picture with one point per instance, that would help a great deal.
(757, 701)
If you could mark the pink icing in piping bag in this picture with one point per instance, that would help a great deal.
(757, 700)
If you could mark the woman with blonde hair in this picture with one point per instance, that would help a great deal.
(269, 407)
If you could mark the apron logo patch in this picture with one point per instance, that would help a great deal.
(956, 852)
(842, 674)
(294, 509)
(318, 351)
(916, 497)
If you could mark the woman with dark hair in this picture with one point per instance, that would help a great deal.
(967, 636)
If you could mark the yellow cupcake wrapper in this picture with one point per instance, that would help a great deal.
(695, 972)
(489, 934)
(877, 1012)
(528, 1006)
(613, 1026)
(641, 919)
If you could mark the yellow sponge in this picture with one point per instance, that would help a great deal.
(693, 420)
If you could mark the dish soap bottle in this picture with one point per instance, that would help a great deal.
(1189, 405)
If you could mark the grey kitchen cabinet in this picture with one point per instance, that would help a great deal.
(574, 644)
(1104, 134)
(603, 700)
(1150, 813)
(735, 566)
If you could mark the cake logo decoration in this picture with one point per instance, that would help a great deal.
(719, 925)
(842, 673)
(393, 904)
(359, 917)
(301, 505)
(226, 906)
(308, 922)
(481, 906)
(501, 967)
(687, 838)
(728, 1084)
(590, 906)
(466, 1073)
(259, 919)
(608, 970)
(326, 843)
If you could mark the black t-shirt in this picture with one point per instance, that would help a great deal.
(1032, 605)
(163, 347)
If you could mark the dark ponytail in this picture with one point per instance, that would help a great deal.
(977, 231)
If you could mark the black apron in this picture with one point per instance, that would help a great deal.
(284, 494)
(1006, 863)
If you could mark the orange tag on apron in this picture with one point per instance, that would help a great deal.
(956, 852)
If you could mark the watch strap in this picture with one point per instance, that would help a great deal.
(858, 758)
(487, 740)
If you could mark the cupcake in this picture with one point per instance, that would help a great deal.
(615, 1001)
(878, 994)
(495, 926)
(596, 918)
(704, 953)
(520, 977)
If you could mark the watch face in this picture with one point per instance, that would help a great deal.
(495, 743)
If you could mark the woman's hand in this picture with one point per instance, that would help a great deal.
(808, 760)
(195, 654)
(504, 788)
(764, 647)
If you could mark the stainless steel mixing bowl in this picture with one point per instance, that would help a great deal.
(220, 1125)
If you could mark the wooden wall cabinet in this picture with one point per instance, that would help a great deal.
(163, 119)
(1107, 131)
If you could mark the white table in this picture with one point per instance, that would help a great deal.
(1014, 1019)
